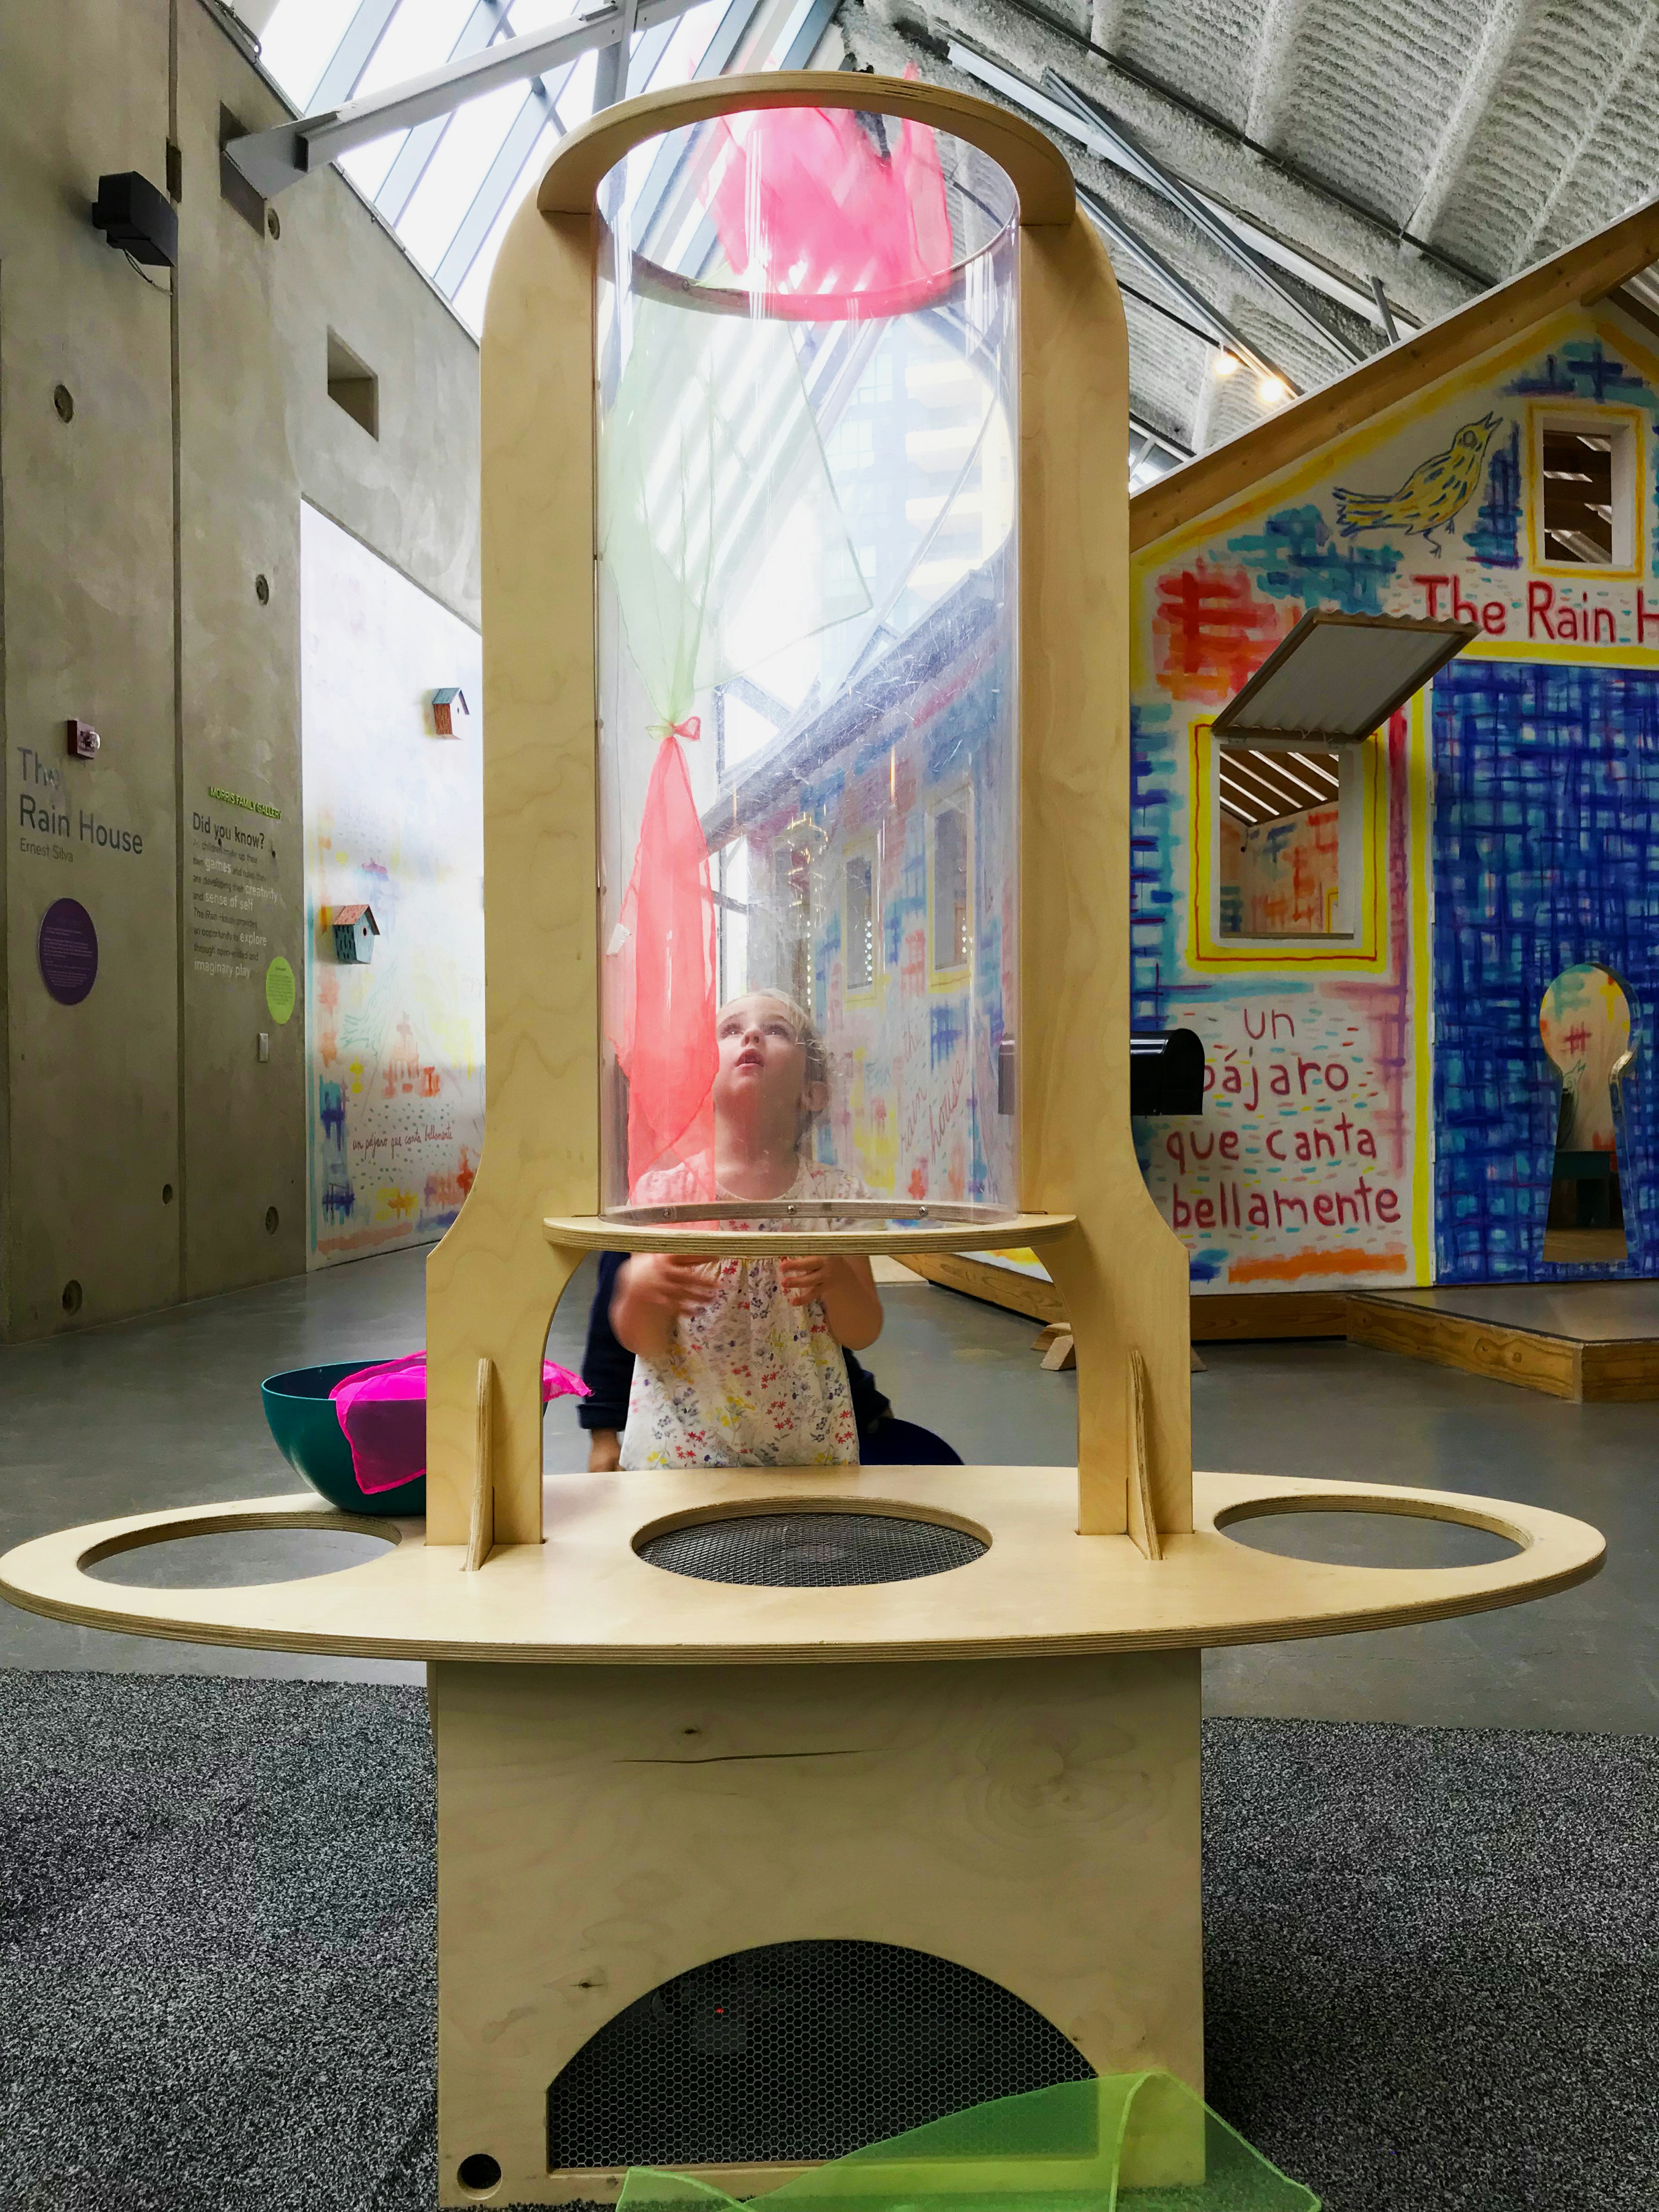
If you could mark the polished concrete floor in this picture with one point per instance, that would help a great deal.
(166, 1412)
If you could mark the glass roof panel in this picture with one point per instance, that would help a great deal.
(438, 217)
(457, 169)
(298, 43)
(469, 300)
(419, 37)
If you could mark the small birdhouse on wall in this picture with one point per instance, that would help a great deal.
(354, 932)
(446, 705)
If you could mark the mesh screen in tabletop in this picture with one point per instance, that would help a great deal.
(811, 1551)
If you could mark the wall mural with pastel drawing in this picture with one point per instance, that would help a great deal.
(1360, 932)
(1380, 1107)
(393, 824)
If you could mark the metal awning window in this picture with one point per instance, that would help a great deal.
(1338, 676)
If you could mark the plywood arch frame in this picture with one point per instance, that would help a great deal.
(494, 1279)
(1033, 164)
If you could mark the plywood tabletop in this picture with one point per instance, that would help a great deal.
(584, 1596)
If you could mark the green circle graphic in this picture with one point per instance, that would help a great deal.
(279, 989)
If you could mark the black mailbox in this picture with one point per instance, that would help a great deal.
(1166, 1071)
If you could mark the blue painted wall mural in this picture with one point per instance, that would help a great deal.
(1546, 855)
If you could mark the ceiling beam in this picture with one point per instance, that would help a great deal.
(1162, 439)
(1357, 299)
(1222, 332)
(1130, 154)
(1166, 96)
(273, 160)
(540, 108)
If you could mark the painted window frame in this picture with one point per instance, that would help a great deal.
(865, 851)
(1363, 806)
(1350, 828)
(1630, 466)
(959, 798)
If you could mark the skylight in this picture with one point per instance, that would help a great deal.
(449, 188)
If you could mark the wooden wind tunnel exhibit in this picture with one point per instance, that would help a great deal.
(684, 1817)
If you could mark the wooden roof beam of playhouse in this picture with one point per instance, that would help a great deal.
(1338, 676)
(1582, 276)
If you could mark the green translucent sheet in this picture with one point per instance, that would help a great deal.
(1124, 2142)
(719, 524)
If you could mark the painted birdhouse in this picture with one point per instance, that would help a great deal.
(354, 932)
(446, 705)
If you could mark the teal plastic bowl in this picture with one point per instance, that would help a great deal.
(306, 1428)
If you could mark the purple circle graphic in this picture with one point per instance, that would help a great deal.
(68, 951)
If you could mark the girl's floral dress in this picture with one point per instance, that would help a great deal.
(748, 1380)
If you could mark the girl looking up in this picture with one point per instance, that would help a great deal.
(738, 1363)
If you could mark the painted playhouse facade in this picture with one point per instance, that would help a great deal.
(1365, 972)
(1380, 1108)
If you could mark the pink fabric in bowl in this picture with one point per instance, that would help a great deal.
(382, 1410)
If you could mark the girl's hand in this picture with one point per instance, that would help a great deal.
(669, 1285)
(653, 1289)
(805, 1279)
(845, 1289)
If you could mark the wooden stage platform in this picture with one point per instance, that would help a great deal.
(1580, 1341)
(1584, 1342)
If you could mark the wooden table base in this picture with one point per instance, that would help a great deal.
(604, 1829)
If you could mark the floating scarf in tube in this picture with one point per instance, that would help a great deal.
(828, 214)
(667, 1046)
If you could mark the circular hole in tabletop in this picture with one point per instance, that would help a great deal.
(1370, 1540)
(235, 1558)
(804, 1549)
(480, 2171)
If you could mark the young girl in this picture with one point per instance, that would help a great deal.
(738, 1363)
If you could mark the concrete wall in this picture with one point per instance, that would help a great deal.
(147, 1147)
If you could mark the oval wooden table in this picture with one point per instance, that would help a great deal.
(638, 1771)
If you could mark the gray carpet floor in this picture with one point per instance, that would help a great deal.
(1431, 1955)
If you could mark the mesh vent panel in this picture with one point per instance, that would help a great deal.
(811, 1551)
(797, 2051)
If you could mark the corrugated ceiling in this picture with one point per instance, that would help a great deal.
(1436, 147)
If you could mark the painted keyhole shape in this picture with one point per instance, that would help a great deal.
(1585, 1022)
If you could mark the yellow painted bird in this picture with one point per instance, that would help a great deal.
(1435, 490)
